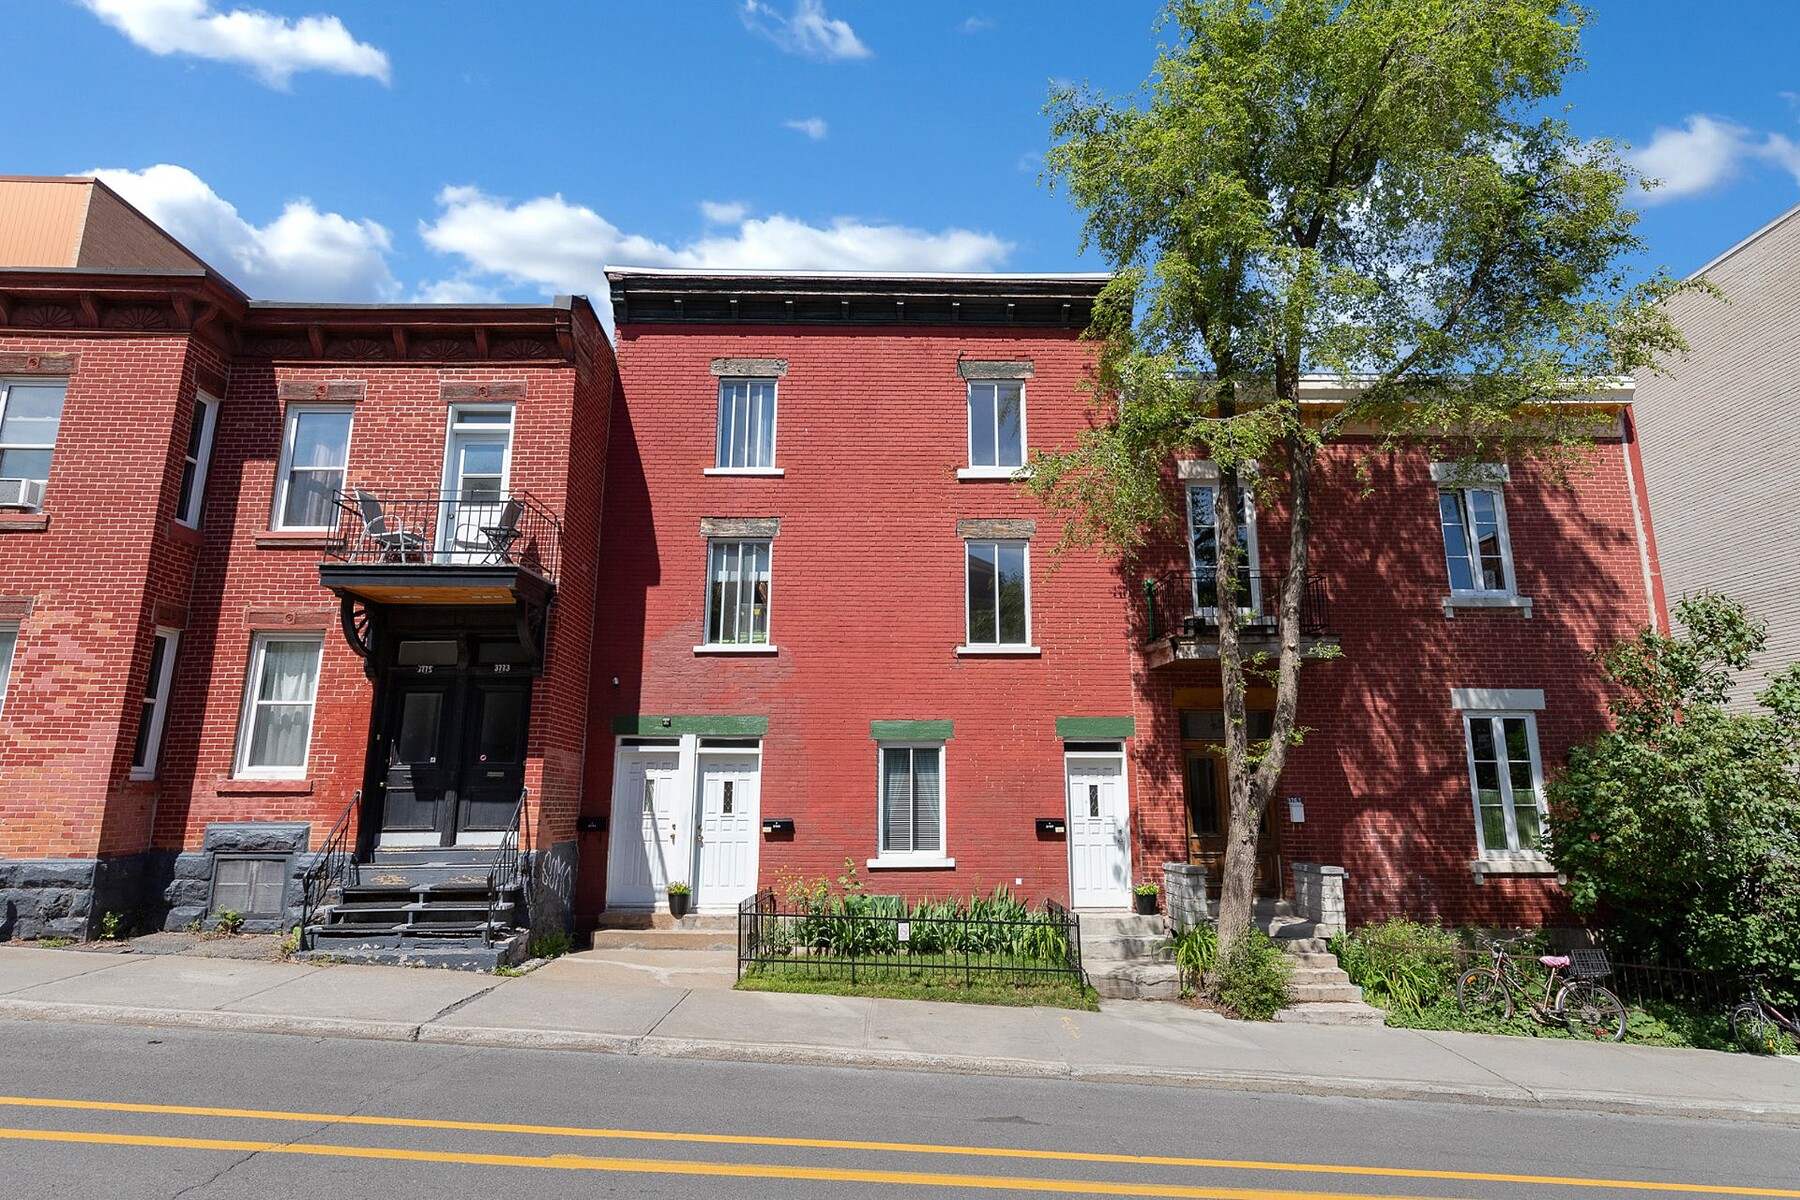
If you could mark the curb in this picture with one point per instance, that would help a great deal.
(580, 1041)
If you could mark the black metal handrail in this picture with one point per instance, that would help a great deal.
(328, 869)
(877, 936)
(445, 529)
(1181, 604)
(509, 872)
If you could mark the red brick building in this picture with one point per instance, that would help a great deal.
(304, 595)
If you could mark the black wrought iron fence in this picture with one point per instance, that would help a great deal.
(1181, 604)
(877, 937)
(328, 870)
(446, 529)
(510, 872)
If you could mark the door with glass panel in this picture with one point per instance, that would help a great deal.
(648, 847)
(730, 828)
(1099, 845)
(1203, 553)
(1208, 795)
(492, 774)
(418, 771)
(475, 485)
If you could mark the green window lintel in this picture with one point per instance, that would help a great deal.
(910, 731)
(642, 726)
(1095, 729)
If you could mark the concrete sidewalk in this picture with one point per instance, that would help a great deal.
(635, 1003)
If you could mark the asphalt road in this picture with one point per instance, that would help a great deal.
(115, 1111)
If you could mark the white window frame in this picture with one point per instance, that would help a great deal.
(259, 645)
(1511, 850)
(994, 470)
(206, 411)
(6, 387)
(721, 450)
(9, 652)
(1252, 556)
(970, 645)
(284, 471)
(1461, 493)
(940, 857)
(153, 707)
(767, 645)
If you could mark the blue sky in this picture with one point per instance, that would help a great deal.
(358, 150)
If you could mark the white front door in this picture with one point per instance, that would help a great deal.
(730, 829)
(1099, 851)
(652, 822)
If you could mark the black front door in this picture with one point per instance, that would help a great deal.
(451, 756)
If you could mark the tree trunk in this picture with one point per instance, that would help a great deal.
(1236, 889)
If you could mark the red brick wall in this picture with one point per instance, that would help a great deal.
(1383, 772)
(867, 592)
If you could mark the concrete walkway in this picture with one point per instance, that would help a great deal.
(680, 1004)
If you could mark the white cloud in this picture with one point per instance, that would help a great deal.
(303, 254)
(1783, 151)
(813, 127)
(808, 31)
(551, 243)
(720, 213)
(275, 48)
(1701, 156)
(976, 25)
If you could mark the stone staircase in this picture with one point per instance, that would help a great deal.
(1322, 994)
(1128, 957)
(427, 907)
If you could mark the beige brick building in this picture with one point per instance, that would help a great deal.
(1721, 435)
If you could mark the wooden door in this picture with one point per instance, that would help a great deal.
(1209, 823)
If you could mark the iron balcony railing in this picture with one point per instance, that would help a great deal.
(1182, 604)
(446, 529)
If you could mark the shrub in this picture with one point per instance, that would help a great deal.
(1196, 949)
(1251, 979)
(1399, 963)
(553, 944)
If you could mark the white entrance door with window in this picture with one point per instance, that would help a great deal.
(1099, 849)
(476, 465)
(730, 829)
(652, 836)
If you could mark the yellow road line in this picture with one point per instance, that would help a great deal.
(661, 1166)
(726, 1139)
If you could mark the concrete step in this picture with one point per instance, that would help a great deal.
(1304, 959)
(1133, 947)
(1332, 1013)
(665, 939)
(1117, 979)
(1315, 945)
(1115, 924)
(1318, 975)
(1324, 993)
(662, 920)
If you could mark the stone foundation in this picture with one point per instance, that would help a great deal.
(188, 892)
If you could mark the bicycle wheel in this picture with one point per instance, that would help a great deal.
(1753, 1030)
(1480, 992)
(1591, 1011)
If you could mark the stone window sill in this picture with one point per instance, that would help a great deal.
(263, 787)
(999, 651)
(293, 539)
(916, 862)
(1522, 603)
(747, 472)
(1511, 866)
(753, 649)
(24, 522)
(992, 474)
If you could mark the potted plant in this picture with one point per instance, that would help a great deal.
(679, 894)
(1143, 899)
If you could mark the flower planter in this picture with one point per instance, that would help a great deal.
(678, 904)
(1143, 905)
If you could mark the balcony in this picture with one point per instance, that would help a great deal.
(1181, 616)
(443, 548)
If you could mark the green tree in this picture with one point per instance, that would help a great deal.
(1682, 823)
(1367, 189)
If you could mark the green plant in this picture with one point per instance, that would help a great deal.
(1399, 963)
(1196, 949)
(228, 921)
(112, 926)
(290, 944)
(1146, 889)
(555, 943)
(54, 943)
(194, 926)
(679, 889)
(1251, 979)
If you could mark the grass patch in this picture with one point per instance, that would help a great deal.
(914, 982)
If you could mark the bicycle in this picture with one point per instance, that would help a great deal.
(1756, 1024)
(1581, 1005)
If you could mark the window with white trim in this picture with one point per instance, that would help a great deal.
(999, 593)
(737, 592)
(194, 461)
(315, 450)
(912, 800)
(1507, 779)
(9, 642)
(275, 730)
(1476, 547)
(154, 707)
(30, 415)
(997, 424)
(1203, 549)
(746, 439)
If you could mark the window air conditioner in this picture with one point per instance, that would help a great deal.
(26, 494)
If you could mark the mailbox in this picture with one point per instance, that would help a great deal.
(778, 825)
(1052, 827)
(591, 824)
